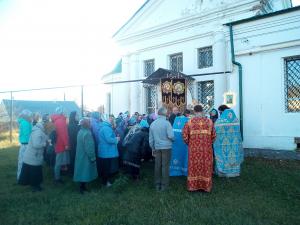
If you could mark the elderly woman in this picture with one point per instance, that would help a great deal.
(108, 156)
(73, 129)
(85, 161)
(62, 143)
(137, 147)
(32, 173)
(213, 115)
(25, 128)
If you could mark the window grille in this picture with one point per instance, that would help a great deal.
(176, 62)
(148, 67)
(206, 94)
(205, 57)
(292, 84)
(150, 99)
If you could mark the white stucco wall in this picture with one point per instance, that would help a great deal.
(260, 47)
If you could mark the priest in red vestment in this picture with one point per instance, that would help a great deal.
(199, 134)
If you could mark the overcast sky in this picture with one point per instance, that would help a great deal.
(46, 43)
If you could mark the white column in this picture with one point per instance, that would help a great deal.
(219, 64)
(126, 76)
(135, 92)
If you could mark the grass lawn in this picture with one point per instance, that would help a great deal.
(268, 192)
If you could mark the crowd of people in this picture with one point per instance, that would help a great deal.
(190, 144)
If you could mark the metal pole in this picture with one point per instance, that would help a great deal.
(11, 117)
(240, 81)
(82, 101)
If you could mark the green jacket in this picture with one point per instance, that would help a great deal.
(25, 128)
(85, 160)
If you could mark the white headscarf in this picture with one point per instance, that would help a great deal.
(25, 113)
(59, 110)
(105, 117)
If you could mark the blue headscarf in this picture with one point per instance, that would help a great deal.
(95, 115)
(144, 123)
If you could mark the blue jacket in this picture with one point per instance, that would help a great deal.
(25, 128)
(95, 126)
(107, 147)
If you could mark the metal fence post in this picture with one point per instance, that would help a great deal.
(11, 117)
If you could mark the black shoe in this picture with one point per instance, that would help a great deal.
(163, 188)
(59, 181)
(36, 189)
(81, 191)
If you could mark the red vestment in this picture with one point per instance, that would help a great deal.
(199, 134)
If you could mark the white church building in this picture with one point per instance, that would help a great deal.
(244, 53)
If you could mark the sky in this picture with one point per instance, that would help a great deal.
(46, 43)
(296, 2)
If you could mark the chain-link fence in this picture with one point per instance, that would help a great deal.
(82, 99)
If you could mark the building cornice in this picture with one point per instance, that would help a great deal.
(184, 23)
(265, 48)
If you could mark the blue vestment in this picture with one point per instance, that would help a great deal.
(228, 148)
(179, 160)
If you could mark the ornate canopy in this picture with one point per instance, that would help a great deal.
(155, 77)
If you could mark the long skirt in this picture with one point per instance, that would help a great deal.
(31, 175)
(132, 161)
(20, 159)
(108, 167)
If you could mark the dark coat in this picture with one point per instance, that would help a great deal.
(73, 129)
(137, 147)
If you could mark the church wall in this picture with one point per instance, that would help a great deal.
(261, 52)
(260, 47)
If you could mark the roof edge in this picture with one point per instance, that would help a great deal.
(279, 12)
(131, 18)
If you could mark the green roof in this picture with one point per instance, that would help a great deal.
(117, 69)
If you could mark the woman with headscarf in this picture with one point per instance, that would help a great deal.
(36, 118)
(73, 129)
(228, 147)
(95, 126)
(49, 154)
(137, 146)
(25, 128)
(32, 170)
(85, 161)
(62, 143)
(213, 115)
(108, 155)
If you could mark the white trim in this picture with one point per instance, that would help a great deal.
(270, 47)
(263, 24)
(198, 19)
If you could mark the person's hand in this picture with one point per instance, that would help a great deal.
(67, 147)
(153, 153)
(118, 139)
